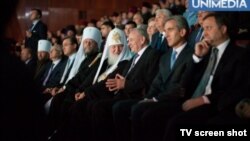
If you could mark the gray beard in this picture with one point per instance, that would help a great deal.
(112, 59)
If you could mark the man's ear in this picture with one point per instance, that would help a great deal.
(224, 29)
(143, 40)
(183, 32)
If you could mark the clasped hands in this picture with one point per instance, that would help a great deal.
(116, 83)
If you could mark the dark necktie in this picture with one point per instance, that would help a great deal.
(206, 76)
(173, 58)
(159, 40)
(48, 75)
(132, 64)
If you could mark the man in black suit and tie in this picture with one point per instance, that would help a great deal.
(158, 40)
(37, 31)
(29, 59)
(168, 86)
(54, 71)
(196, 35)
(221, 70)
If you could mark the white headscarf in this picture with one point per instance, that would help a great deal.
(88, 33)
(115, 37)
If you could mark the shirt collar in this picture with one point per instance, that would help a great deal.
(26, 62)
(221, 47)
(180, 48)
(56, 62)
(35, 22)
(142, 50)
(72, 56)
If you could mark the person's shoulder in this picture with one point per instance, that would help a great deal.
(41, 24)
(188, 49)
(123, 63)
(154, 52)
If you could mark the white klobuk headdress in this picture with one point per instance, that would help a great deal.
(44, 45)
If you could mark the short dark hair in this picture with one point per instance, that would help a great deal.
(109, 24)
(39, 12)
(131, 23)
(71, 28)
(72, 40)
(220, 19)
(181, 23)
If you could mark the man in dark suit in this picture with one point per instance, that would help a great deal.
(221, 70)
(158, 40)
(28, 58)
(54, 69)
(196, 34)
(37, 31)
(70, 47)
(168, 86)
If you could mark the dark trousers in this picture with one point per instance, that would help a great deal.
(122, 118)
(55, 112)
(149, 119)
(102, 119)
(59, 114)
(78, 127)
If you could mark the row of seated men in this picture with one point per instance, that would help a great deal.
(134, 92)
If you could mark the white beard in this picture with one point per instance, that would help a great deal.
(112, 59)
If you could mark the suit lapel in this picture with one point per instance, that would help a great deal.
(181, 57)
(154, 39)
(228, 53)
(177, 63)
(166, 65)
(127, 67)
(34, 29)
(55, 69)
(140, 61)
(58, 67)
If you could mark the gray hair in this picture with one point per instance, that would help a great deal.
(181, 23)
(58, 49)
(165, 12)
(143, 31)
